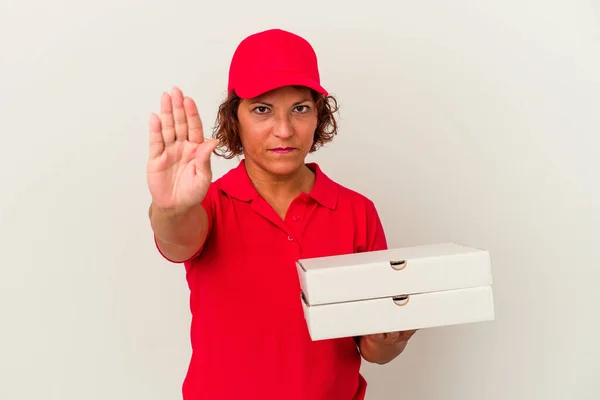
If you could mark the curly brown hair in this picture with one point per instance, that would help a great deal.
(226, 126)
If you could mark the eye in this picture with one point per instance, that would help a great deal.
(260, 109)
(302, 109)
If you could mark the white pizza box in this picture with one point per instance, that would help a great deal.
(395, 289)
(401, 313)
(393, 272)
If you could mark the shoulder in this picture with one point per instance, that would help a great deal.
(215, 197)
(345, 196)
(220, 186)
(353, 202)
(361, 210)
(212, 194)
(352, 197)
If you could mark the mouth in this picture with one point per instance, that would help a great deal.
(282, 150)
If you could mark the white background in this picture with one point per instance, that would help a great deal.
(473, 121)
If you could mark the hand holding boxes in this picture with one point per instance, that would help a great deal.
(395, 290)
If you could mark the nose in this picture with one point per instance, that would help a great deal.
(283, 127)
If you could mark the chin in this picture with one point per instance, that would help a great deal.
(283, 166)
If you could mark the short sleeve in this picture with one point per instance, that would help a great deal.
(376, 239)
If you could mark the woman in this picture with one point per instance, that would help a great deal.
(239, 237)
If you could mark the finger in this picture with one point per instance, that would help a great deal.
(378, 337)
(195, 131)
(391, 337)
(181, 128)
(203, 153)
(166, 119)
(157, 145)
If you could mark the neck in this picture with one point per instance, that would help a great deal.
(283, 187)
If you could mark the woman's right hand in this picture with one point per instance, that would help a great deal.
(178, 172)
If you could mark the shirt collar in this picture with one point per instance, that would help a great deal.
(236, 183)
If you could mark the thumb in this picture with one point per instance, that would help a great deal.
(203, 153)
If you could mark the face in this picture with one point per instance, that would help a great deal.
(277, 129)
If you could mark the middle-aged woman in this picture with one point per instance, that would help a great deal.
(239, 236)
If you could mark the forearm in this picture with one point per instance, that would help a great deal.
(179, 235)
(379, 353)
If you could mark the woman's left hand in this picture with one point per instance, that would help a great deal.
(382, 348)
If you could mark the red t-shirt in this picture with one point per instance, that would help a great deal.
(248, 334)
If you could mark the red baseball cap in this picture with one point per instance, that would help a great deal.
(272, 59)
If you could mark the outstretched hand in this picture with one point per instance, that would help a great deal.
(179, 171)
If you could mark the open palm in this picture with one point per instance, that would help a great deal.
(178, 172)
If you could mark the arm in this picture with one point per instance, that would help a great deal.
(179, 177)
(179, 236)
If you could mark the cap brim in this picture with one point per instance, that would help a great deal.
(263, 84)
